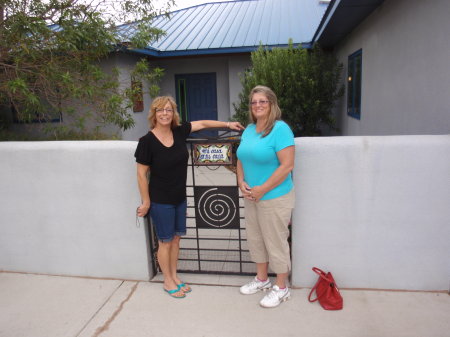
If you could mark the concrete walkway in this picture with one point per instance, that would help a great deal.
(52, 306)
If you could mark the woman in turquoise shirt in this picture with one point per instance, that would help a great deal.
(265, 162)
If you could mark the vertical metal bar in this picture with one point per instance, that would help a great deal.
(195, 206)
(240, 236)
(192, 164)
(152, 243)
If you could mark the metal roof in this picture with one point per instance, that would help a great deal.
(341, 17)
(233, 27)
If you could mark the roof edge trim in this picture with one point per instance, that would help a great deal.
(215, 51)
(326, 18)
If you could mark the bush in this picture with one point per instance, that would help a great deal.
(306, 83)
(6, 135)
(51, 53)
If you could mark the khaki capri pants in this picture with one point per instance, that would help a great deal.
(267, 231)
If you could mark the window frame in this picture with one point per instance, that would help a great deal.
(354, 84)
(56, 117)
(138, 95)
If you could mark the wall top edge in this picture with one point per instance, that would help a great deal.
(300, 140)
(383, 139)
(87, 144)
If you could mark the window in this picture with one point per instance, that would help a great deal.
(354, 84)
(46, 114)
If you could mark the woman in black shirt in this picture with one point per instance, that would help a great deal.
(163, 153)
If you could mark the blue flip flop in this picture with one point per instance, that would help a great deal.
(173, 292)
(183, 285)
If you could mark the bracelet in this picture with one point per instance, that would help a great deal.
(228, 125)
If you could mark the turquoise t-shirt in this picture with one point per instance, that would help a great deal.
(259, 157)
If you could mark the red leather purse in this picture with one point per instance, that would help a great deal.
(327, 293)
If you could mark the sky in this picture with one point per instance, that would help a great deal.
(180, 4)
(107, 6)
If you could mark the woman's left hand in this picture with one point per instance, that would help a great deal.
(257, 193)
(235, 126)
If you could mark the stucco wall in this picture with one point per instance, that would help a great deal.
(125, 63)
(373, 210)
(236, 67)
(68, 208)
(405, 70)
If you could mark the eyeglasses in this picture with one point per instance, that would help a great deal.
(253, 103)
(169, 111)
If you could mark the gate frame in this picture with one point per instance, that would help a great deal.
(226, 137)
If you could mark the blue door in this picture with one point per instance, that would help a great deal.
(197, 97)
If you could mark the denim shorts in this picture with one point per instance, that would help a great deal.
(168, 220)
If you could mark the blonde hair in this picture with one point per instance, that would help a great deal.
(159, 103)
(275, 111)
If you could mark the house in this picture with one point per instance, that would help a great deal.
(396, 58)
(395, 55)
(207, 47)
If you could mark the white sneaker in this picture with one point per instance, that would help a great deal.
(254, 286)
(275, 297)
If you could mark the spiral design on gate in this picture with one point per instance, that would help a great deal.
(216, 209)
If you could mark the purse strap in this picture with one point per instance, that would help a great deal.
(321, 274)
(311, 292)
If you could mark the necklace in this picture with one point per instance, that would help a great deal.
(165, 138)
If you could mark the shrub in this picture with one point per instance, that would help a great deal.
(306, 83)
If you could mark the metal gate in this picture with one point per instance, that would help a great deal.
(215, 242)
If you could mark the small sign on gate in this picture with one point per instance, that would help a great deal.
(213, 154)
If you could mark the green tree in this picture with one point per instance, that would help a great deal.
(306, 83)
(50, 57)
